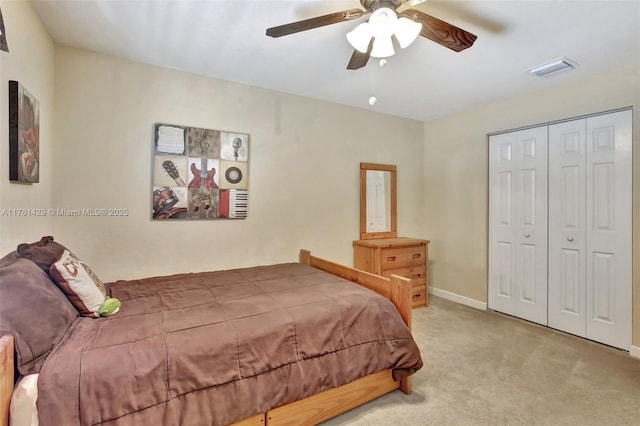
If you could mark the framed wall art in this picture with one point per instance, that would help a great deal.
(3, 36)
(24, 135)
(199, 174)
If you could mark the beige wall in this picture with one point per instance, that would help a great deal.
(30, 62)
(456, 174)
(304, 168)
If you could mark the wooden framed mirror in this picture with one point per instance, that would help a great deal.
(378, 201)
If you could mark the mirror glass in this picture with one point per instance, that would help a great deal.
(377, 201)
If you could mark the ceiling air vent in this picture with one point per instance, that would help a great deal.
(553, 67)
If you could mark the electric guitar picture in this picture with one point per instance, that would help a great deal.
(204, 183)
(201, 177)
(170, 168)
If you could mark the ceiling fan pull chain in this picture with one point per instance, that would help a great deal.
(373, 99)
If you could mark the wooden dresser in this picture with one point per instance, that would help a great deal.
(407, 257)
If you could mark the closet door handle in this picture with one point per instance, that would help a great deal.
(569, 239)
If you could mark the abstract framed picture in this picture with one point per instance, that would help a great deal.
(24, 135)
(199, 174)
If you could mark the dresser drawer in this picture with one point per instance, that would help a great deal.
(398, 257)
(419, 296)
(416, 273)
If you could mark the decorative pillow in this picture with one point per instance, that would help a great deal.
(34, 311)
(79, 283)
(44, 252)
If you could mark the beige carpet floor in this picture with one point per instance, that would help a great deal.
(485, 368)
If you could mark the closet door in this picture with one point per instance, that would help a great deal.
(567, 231)
(608, 222)
(590, 216)
(518, 224)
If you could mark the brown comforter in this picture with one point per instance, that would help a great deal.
(214, 348)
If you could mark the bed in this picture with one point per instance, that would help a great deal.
(314, 368)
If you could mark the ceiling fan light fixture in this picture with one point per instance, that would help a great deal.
(407, 31)
(360, 37)
(383, 22)
(382, 47)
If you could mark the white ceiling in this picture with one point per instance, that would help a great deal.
(226, 40)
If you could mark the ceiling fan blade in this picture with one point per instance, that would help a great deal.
(319, 21)
(359, 59)
(441, 32)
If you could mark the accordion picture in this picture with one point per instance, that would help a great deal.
(199, 174)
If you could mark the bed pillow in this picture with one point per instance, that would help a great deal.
(9, 259)
(34, 311)
(23, 410)
(44, 252)
(79, 283)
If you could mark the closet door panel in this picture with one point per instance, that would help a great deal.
(505, 270)
(501, 226)
(604, 296)
(567, 161)
(531, 218)
(527, 273)
(608, 223)
(572, 285)
(518, 224)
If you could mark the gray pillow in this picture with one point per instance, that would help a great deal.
(34, 311)
(44, 252)
(9, 259)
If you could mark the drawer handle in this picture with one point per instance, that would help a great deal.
(417, 255)
(417, 295)
(416, 275)
(391, 259)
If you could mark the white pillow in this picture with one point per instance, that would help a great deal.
(79, 283)
(23, 411)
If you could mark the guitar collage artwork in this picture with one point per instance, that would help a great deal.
(213, 162)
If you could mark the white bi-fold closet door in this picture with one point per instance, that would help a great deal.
(590, 246)
(580, 235)
(518, 224)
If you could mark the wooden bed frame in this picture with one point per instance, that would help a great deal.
(314, 409)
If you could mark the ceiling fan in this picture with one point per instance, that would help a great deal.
(374, 38)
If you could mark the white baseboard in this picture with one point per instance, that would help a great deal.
(463, 300)
(634, 351)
